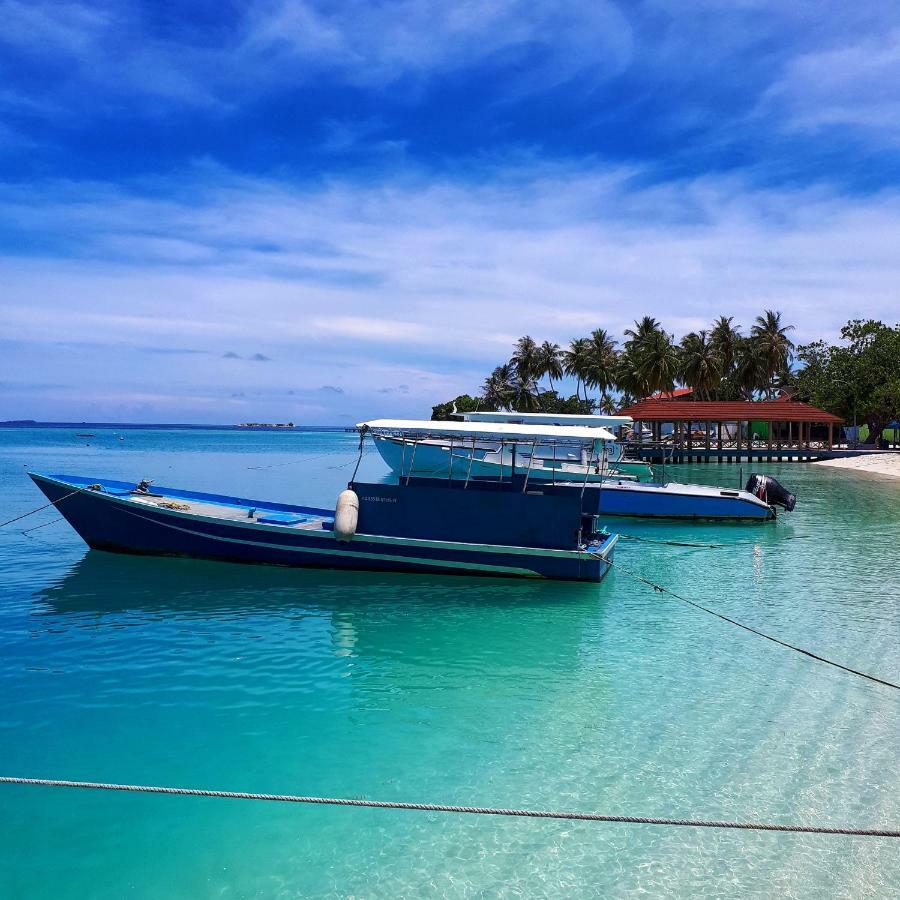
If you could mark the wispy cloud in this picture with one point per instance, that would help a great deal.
(855, 85)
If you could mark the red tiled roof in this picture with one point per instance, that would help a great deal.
(671, 395)
(728, 411)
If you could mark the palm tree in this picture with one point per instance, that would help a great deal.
(525, 358)
(750, 373)
(643, 329)
(773, 344)
(525, 394)
(549, 361)
(606, 405)
(602, 361)
(628, 380)
(725, 339)
(498, 389)
(700, 363)
(658, 362)
(576, 362)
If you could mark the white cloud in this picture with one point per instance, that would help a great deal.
(853, 85)
(379, 43)
(111, 50)
(370, 329)
(416, 282)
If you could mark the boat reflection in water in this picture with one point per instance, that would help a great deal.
(369, 618)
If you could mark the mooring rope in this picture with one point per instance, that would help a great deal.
(39, 508)
(646, 540)
(449, 808)
(664, 590)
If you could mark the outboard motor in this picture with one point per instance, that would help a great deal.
(770, 490)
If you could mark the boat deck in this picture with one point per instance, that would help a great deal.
(213, 506)
(232, 513)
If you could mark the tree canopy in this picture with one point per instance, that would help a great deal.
(858, 379)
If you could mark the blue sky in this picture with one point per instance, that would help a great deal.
(218, 211)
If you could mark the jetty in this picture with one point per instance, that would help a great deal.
(780, 430)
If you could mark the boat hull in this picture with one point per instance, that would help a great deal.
(618, 497)
(111, 522)
(680, 501)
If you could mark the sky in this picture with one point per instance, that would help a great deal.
(321, 212)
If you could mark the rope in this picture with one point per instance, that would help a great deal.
(635, 537)
(43, 525)
(362, 441)
(447, 808)
(756, 631)
(39, 508)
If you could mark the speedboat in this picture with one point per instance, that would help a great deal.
(472, 527)
(672, 500)
(441, 449)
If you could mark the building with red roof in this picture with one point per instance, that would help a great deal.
(789, 422)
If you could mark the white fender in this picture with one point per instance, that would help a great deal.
(346, 515)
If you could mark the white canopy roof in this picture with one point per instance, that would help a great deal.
(524, 418)
(491, 431)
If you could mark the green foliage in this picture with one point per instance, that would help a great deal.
(719, 364)
(859, 379)
(463, 403)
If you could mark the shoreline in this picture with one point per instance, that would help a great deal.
(871, 463)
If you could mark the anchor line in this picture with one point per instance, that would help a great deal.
(39, 508)
(450, 808)
(769, 637)
(645, 540)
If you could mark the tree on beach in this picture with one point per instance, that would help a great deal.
(772, 345)
(858, 380)
(725, 339)
(526, 359)
(498, 389)
(549, 362)
(750, 374)
(719, 364)
(700, 363)
(461, 404)
(576, 362)
(643, 329)
(658, 362)
(602, 362)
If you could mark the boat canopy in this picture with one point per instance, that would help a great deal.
(524, 418)
(490, 431)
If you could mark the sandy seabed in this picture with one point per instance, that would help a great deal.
(873, 463)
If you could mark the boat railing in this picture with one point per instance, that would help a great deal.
(505, 448)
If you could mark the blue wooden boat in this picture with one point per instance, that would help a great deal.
(420, 525)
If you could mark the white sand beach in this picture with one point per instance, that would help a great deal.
(873, 463)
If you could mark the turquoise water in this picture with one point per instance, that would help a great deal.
(472, 691)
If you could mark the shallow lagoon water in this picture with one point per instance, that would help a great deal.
(607, 698)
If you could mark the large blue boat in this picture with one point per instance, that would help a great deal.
(507, 528)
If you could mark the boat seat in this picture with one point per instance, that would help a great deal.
(280, 518)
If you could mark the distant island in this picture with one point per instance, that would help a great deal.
(266, 425)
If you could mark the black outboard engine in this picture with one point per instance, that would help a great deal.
(768, 489)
